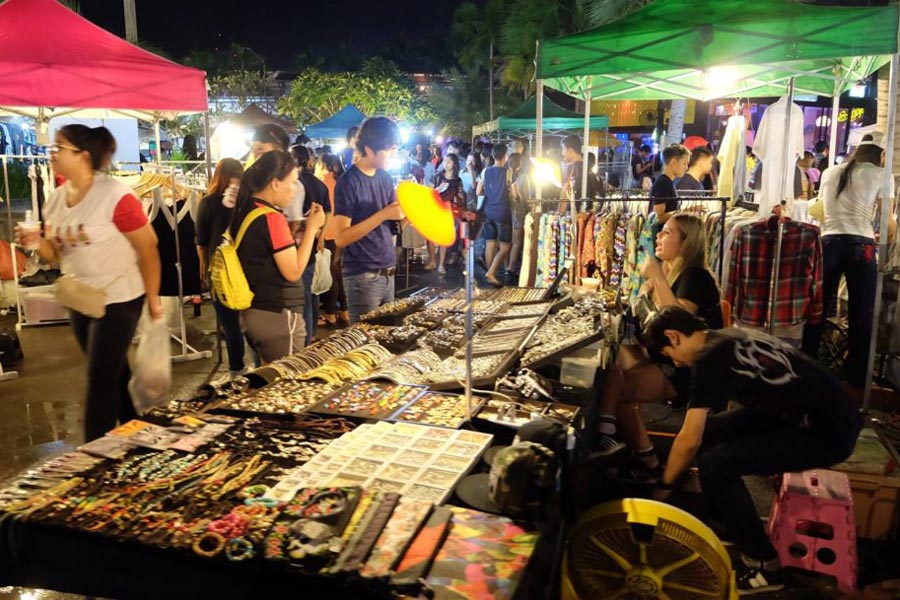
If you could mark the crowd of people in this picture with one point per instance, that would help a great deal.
(289, 203)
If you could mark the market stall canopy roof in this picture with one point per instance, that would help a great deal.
(54, 62)
(707, 49)
(521, 121)
(335, 127)
(255, 115)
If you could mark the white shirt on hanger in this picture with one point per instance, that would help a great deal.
(769, 147)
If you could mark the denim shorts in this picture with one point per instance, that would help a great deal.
(497, 230)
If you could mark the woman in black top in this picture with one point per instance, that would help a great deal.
(678, 278)
(272, 261)
(449, 185)
(213, 217)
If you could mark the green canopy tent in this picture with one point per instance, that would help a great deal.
(705, 49)
(521, 122)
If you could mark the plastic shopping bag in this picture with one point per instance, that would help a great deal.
(322, 279)
(151, 371)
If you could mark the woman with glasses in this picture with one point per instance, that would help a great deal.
(96, 229)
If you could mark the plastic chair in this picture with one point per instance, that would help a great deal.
(812, 525)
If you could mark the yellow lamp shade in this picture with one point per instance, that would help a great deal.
(427, 212)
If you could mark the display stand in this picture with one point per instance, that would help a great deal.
(188, 352)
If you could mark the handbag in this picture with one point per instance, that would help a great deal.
(80, 297)
(322, 280)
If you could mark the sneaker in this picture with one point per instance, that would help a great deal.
(638, 473)
(606, 445)
(441, 270)
(756, 580)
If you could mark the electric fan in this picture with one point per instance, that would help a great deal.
(635, 549)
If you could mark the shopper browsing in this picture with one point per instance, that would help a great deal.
(366, 216)
(268, 138)
(97, 231)
(664, 198)
(679, 278)
(213, 218)
(573, 170)
(642, 165)
(334, 299)
(316, 192)
(849, 192)
(271, 259)
(699, 168)
(497, 214)
(450, 187)
(793, 416)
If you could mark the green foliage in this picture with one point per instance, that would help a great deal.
(464, 103)
(379, 88)
(242, 85)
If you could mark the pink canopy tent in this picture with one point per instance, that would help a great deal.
(54, 62)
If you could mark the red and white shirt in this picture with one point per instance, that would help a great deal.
(90, 237)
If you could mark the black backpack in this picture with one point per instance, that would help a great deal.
(10, 349)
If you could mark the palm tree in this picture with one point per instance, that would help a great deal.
(476, 31)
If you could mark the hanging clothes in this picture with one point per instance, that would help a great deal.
(798, 291)
(769, 147)
(529, 252)
(733, 159)
(164, 222)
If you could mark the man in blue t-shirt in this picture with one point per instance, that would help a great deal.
(366, 215)
(497, 213)
(347, 153)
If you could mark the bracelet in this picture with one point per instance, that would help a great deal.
(239, 549)
(209, 544)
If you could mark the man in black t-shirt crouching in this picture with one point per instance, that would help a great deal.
(794, 415)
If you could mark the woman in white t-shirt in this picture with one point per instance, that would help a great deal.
(849, 193)
(96, 229)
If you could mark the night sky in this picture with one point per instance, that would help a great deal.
(282, 29)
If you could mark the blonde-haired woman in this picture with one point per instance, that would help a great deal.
(678, 276)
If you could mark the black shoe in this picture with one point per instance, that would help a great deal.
(606, 446)
(756, 580)
(638, 473)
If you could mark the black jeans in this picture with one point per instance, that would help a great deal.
(854, 257)
(105, 342)
(750, 442)
(336, 296)
(230, 320)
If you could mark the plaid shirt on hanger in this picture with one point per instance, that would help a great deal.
(798, 296)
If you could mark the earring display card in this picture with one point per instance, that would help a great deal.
(443, 410)
(424, 463)
(369, 400)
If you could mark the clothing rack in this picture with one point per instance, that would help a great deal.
(188, 352)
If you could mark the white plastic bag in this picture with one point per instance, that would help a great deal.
(151, 372)
(322, 279)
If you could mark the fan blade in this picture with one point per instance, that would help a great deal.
(677, 564)
(620, 560)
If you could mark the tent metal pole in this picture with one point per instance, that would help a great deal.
(208, 153)
(786, 172)
(9, 221)
(835, 109)
(887, 190)
(585, 150)
(158, 142)
(539, 129)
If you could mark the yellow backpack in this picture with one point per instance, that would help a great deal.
(229, 283)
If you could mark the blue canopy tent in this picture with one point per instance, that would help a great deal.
(335, 127)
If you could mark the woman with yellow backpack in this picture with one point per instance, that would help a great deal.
(270, 258)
